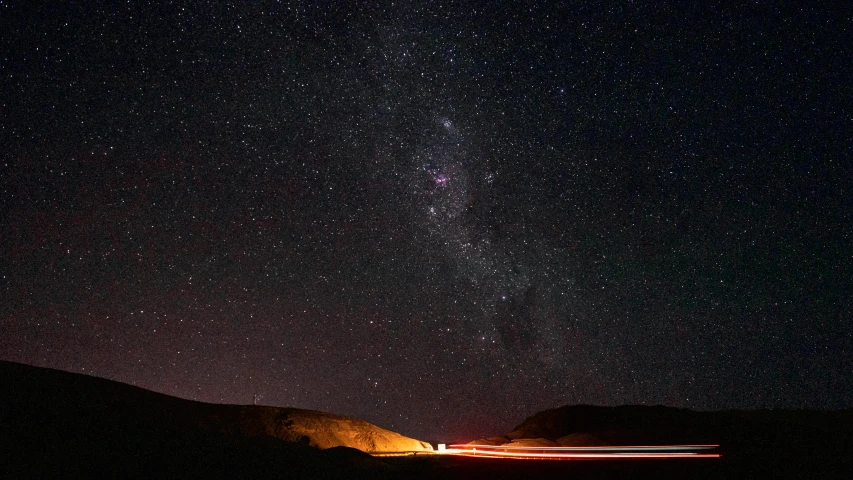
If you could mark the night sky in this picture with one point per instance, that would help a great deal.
(437, 218)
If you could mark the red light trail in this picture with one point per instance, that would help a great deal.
(632, 452)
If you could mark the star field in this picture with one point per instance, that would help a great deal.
(439, 218)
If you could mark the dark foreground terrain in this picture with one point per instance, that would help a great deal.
(60, 425)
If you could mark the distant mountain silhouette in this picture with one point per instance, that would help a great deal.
(761, 442)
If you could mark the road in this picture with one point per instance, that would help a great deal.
(632, 452)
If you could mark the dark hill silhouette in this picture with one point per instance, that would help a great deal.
(61, 425)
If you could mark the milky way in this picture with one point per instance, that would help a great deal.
(436, 218)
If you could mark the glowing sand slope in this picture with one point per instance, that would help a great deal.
(324, 430)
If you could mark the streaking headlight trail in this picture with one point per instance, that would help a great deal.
(586, 453)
